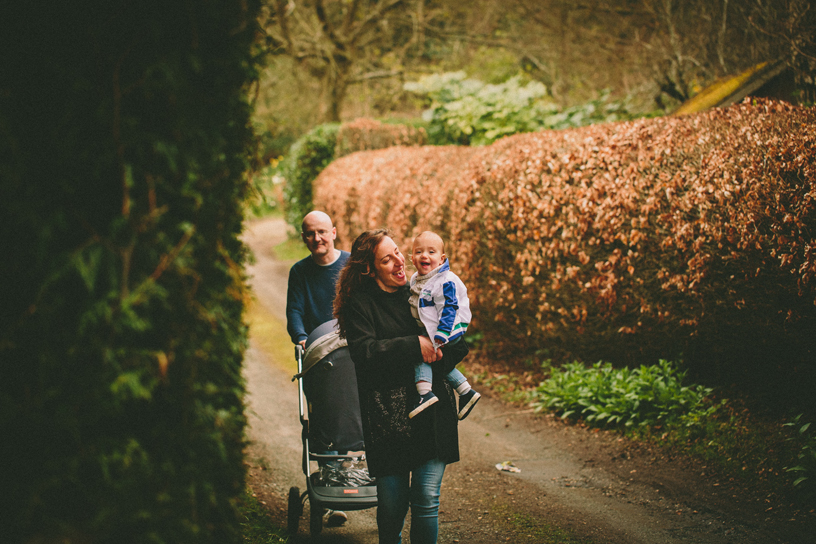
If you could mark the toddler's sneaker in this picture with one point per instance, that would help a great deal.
(424, 401)
(467, 402)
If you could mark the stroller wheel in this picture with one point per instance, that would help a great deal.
(294, 512)
(316, 519)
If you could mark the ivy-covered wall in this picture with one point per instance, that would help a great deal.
(123, 144)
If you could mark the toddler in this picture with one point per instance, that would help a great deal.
(440, 304)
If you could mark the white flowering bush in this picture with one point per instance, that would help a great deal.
(470, 112)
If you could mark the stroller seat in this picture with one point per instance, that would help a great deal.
(332, 432)
(330, 386)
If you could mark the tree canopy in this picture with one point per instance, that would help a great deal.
(658, 53)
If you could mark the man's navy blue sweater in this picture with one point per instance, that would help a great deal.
(310, 297)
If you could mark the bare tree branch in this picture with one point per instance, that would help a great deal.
(375, 75)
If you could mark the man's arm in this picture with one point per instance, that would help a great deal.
(296, 308)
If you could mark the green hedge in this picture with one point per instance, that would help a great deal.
(307, 158)
(323, 144)
(124, 138)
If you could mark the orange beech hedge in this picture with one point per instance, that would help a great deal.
(678, 236)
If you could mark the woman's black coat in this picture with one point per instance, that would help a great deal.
(383, 340)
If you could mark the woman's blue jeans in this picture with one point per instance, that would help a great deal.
(419, 489)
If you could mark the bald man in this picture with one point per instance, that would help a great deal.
(310, 296)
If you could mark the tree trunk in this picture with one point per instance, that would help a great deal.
(335, 87)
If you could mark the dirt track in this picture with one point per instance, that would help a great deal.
(596, 486)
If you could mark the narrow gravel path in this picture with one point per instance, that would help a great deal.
(591, 485)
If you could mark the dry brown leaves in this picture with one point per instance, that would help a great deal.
(636, 229)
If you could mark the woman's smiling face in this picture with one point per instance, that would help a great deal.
(389, 266)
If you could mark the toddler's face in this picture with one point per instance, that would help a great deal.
(427, 253)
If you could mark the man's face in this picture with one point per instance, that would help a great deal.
(319, 235)
(427, 253)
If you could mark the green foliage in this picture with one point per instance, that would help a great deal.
(290, 250)
(273, 141)
(805, 440)
(606, 396)
(728, 436)
(305, 160)
(469, 112)
(256, 524)
(314, 151)
(600, 110)
(125, 137)
(265, 197)
(492, 64)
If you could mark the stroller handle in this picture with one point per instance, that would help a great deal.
(299, 358)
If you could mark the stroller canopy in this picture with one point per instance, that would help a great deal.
(330, 385)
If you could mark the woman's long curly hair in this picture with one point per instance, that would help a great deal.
(357, 271)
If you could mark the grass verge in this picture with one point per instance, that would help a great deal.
(256, 525)
(290, 250)
(269, 335)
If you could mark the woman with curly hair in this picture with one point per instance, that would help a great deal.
(407, 456)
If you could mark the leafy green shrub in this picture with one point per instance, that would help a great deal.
(600, 110)
(273, 141)
(266, 190)
(469, 112)
(314, 151)
(125, 138)
(605, 396)
(305, 160)
(806, 467)
(466, 111)
(257, 526)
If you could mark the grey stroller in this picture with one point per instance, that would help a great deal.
(332, 433)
